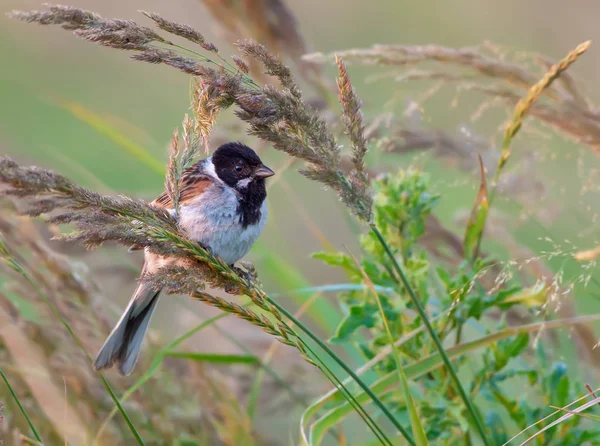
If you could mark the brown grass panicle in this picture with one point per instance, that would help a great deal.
(115, 33)
(185, 31)
(563, 106)
(279, 116)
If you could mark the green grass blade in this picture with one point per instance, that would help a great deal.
(356, 406)
(420, 368)
(565, 417)
(415, 422)
(424, 317)
(343, 365)
(21, 408)
(216, 358)
(477, 219)
(265, 368)
(323, 312)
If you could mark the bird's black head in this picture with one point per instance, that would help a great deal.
(238, 166)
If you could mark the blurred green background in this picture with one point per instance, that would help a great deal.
(47, 77)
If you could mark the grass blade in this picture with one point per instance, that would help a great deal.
(256, 385)
(432, 333)
(21, 408)
(215, 358)
(154, 366)
(566, 416)
(102, 126)
(415, 422)
(476, 223)
(341, 363)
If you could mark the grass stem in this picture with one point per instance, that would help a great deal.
(346, 368)
(432, 333)
(21, 408)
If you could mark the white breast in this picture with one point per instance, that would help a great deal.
(212, 221)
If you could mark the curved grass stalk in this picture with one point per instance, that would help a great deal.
(156, 362)
(345, 367)
(352, 401)
(415, 422)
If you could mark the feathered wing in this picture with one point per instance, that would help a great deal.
(193, 183)
(123, 345)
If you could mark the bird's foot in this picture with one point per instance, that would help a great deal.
(247, 273)
(207, 249)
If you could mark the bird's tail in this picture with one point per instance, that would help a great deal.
(122, 347)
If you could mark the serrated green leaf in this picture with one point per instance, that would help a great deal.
(336, 259)
(359, 316)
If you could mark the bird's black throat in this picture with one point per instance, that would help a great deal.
(250, 202)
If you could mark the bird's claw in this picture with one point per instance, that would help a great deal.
(207, 249)
(248, 274)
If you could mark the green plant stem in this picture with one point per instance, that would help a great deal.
(432, 333)
(345, 367)
(23, 411)
(417, 426)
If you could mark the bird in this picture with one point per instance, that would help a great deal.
(223, 207)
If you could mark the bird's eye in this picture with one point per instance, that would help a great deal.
(239, 167)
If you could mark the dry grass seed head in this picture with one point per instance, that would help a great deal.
(178, 29)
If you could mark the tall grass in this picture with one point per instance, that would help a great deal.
(394, 210)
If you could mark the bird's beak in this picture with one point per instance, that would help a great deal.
(263, 172)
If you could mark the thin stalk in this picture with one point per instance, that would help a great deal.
(264, 366)
(23, 411)
(417, 427)
(345, 367)
(432, 333)
(230, 70)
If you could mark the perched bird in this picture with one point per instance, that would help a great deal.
(223, 207)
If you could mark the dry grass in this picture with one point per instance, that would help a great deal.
(564, 107)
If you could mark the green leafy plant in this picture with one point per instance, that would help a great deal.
(402, 203)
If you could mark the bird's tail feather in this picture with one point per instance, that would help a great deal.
(122, 347)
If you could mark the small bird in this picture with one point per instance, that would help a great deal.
(223, 207)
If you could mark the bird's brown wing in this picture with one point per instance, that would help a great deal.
(193, 184)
